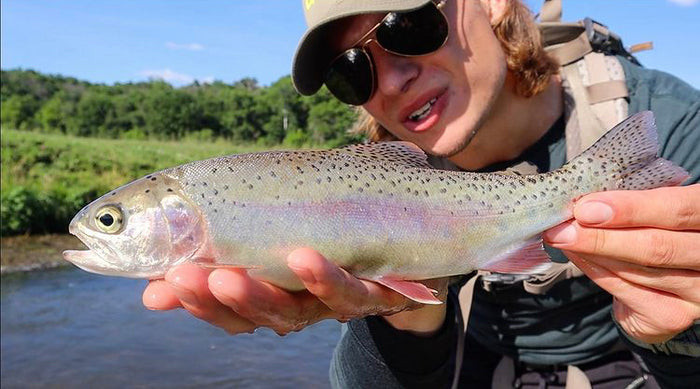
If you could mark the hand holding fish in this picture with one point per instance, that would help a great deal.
(237, 303)
(643, 248)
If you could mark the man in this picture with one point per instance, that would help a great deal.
(484, 98)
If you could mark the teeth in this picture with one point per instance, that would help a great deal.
(423, 111)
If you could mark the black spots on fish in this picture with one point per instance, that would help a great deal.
(542, 194)
(250, 186)
(216, 192)
(579, 178)
(230, 169)
(550, 205)
(147, 190)
(225, 187)
(319, 180)
(258, 178)
(360, 189)
(443, 190)
(534, 196)
(223, 201)
(213, 170)
(202, 195)
(273, 175)
(114, 193)
(148, 177)
(497, 197)
(153, 178)
(169, 189)
(408, 190)
(204, 184)
(531, 180)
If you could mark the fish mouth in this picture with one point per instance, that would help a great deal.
(89, 261)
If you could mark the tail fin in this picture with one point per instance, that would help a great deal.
(633, 147)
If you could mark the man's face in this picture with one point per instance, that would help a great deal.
(437, 100)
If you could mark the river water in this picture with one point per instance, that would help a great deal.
(68, 328)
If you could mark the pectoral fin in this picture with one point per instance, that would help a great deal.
(411, 289)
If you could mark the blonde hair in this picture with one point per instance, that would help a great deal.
(526, 59)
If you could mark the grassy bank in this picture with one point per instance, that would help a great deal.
(47, 178)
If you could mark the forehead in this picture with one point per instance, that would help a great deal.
(347, 31)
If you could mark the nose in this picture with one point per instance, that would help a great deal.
(395, 73)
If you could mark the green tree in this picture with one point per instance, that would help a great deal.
(170, 113)
(92, 112)
(330, 120)
(18, 111)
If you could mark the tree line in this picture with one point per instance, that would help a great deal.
(242, 111)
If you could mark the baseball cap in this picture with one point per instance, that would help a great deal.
(312, 55)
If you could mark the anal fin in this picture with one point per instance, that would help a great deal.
(411, 289)
(528, 259)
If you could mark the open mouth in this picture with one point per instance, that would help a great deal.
(427, 115)
(422, 112)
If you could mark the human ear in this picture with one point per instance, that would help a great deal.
(495, 9)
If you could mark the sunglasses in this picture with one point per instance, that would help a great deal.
(351, 77)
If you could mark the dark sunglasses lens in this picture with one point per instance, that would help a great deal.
(350, 78)
(413, 33)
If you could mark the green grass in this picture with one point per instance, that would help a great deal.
(47, 178)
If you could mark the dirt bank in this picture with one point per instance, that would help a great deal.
(36, 252)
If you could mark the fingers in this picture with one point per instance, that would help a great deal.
(644, 246)
(679, 282)
(340, 291)
(264, 304)
(189, 284)
(158, 296)
(674, 208)
(648, 314)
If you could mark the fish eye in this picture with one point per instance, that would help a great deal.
(109, 219)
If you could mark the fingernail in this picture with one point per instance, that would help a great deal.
(593, 212)
(561, 234)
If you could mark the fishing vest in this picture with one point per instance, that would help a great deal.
(595, 100)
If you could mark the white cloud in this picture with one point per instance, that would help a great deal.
(184, 46)
(685, 3)
(173, 77)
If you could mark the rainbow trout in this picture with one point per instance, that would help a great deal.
(377, 210)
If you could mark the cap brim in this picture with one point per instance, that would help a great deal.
(311, 58)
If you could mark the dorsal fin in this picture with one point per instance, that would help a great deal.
(397, 152)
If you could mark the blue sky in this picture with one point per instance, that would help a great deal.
(110, 41)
